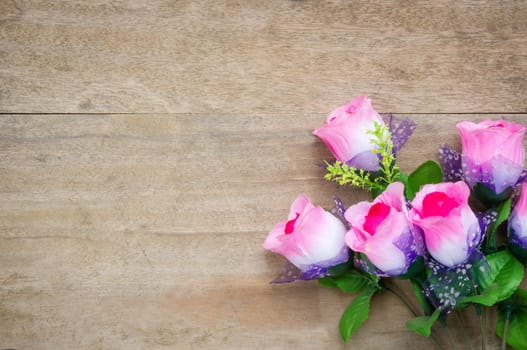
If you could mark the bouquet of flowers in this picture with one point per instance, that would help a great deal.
(457, 230)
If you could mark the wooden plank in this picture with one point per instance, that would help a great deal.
(146, 231)
(262, 57)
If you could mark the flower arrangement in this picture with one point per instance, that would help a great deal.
(457, 230)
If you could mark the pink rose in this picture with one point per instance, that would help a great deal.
(492, 153)
(451, 230)
(518, 221)
(309, 237)
(346, 133)
(382, 231)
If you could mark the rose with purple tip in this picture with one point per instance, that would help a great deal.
(310, 238)
(383, 232)
(492, 153)
(517, 228)
(450, 227)
(347, 133)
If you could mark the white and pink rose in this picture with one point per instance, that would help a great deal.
(347, 133)
(382, 231)
(518, 221)
(492, 153)
(451, 229)
(310, 237)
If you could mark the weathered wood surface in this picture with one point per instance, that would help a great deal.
(143, 230)
(261, 57)
(146, 231)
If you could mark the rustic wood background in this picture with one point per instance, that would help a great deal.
(148, 146)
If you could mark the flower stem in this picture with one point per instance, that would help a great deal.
(401, 298)
(468, 344)
(483, 328)
(399, 295)
(506, 328)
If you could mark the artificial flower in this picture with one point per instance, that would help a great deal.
(492, 153)
(382, 231)
(518, 222)
(347, 134)
(310, 237)
(450, 227)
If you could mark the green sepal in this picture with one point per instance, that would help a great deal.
(519, 252)
(427, 173)
(342, 269)
(414, 269)
(355, 314)
(349, 283)
(515, 311)
(487, 195)
(504, 210)
(423, 324)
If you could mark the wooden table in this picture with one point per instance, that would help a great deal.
(147, 148)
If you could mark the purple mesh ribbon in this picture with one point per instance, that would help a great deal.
(523, 177)
(456, 167)
(516, 229)
(450, 162)
(338, 210)
(291, 273)
(363, 263)
(412, 245)
(485, 219)
(401, 130)
(446, 285)
(514, 238)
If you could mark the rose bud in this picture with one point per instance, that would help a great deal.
(382, 231)
(310, 237)
(518, 226)
(492, 153)
(347, 136)
(450, 227)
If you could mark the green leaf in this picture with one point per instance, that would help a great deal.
(402, 177)
(489, 297)
(515, 311)
(355, 314)
(341, 269)
(327, 282)
(350, 283)
(504, 210)
(427, 173)
(423, 324)
(506, 273)
(421, 298)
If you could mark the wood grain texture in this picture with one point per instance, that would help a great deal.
(145, 232)
(261, 57)
(148, 146)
